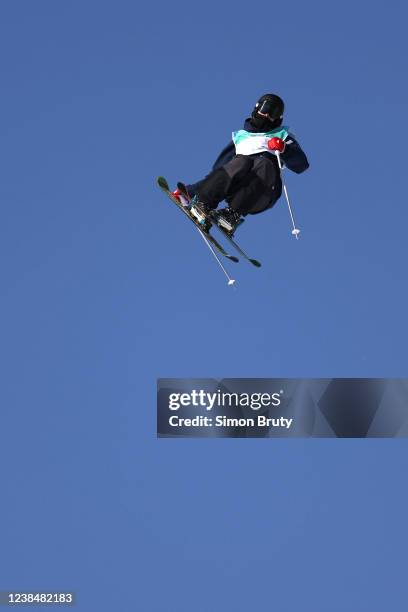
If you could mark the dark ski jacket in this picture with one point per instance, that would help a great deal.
(293, 157)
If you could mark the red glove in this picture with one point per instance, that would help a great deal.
(276, 144)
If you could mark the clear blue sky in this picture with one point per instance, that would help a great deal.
(105, 287)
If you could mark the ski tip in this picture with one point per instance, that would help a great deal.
(233, 258)
(256, 263)
(161, 181)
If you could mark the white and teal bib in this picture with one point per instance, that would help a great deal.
(248, 143)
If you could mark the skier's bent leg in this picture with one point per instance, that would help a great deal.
(252, 200)
(219, 183)
(247, 196)
(213, 188)
(259, 191)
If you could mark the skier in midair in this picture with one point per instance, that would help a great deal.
(246, 174)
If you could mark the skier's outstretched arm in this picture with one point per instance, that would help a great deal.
(293, 156)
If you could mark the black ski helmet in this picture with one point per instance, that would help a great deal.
(268, 111)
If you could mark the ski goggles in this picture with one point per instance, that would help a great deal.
(268, 108)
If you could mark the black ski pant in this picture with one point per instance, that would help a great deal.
(249, 184)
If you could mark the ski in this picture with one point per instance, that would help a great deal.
(163, 184)
(236, 246)
(254, 262)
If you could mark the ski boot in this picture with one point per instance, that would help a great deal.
(228, 220)
(181, 196)
(201, 213)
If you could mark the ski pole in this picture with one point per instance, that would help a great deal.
(231, 281)
(295, 230)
